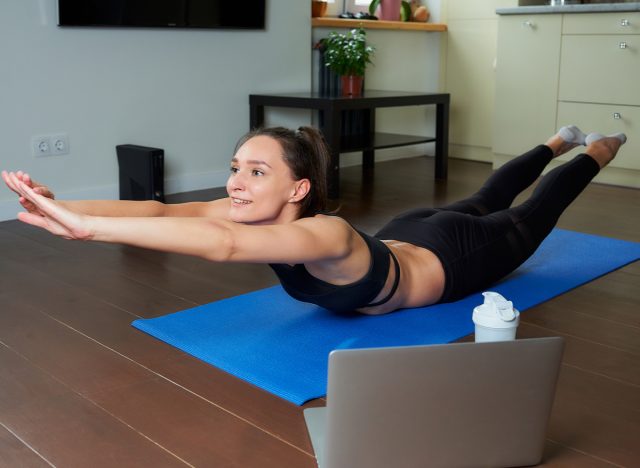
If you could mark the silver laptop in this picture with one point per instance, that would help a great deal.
(452, 405)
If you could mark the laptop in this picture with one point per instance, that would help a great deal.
(450, 405)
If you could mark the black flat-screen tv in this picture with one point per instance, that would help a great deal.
(207, 14)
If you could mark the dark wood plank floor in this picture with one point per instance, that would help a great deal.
(80, 387)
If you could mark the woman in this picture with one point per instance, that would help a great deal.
(276, 214)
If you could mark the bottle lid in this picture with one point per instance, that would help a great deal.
(496, 312)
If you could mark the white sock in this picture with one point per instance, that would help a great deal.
(572, 134)
(591, 137)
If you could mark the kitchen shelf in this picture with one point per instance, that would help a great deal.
(327, 22)
(380, 141)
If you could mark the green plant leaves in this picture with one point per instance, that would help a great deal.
(405, 11)
(373, 6)
(347, 54)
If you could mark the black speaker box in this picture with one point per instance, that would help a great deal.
(141, 172)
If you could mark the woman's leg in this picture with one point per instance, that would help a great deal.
(487, 248)
(508, 181)
(538, 215)
(500, 189)
(512, 178)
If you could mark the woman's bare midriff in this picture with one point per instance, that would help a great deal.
(421, 279)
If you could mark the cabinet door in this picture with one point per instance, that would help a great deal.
(605, 119)
(526, 81)
(470, 80)
(622, 22)
(603, 69)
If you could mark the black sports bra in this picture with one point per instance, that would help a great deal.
(301, 285)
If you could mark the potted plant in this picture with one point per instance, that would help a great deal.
(347, 55)
(318, 8)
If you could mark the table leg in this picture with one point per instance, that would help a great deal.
(256, 116)
(331, 130)
(368, 155)
(442, 140)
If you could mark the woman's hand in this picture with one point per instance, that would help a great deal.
(46, 213)
(37, 188)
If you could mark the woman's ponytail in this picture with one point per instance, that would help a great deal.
(318, 163)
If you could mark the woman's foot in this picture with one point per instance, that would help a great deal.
(604, 148)
(566, 139)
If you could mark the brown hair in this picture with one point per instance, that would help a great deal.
(306, 154)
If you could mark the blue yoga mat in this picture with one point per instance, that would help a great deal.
(281, 345)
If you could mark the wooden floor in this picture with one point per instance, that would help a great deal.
(79, 387)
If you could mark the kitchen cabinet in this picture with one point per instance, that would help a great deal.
(468, 72)
(526, 81)
(581, 70)
(600, 69)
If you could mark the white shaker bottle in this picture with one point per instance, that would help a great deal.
(496, 319)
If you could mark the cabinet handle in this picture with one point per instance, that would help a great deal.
(625, 22)
(624, 45)
(529, 24)
(617, 116)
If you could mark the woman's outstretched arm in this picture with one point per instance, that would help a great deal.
(121, 208)
(306, 240)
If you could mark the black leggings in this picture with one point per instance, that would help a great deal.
(481, 239)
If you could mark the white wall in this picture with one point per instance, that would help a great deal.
(185, 91)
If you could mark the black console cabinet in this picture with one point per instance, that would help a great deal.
(330, 108)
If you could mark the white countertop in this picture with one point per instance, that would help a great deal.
(587, 8)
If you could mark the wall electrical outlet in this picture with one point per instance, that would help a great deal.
(50, 145)
(41, 146)
(60, 144)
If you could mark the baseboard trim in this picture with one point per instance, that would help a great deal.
(471, 153)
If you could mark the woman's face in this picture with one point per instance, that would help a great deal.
(261, 185)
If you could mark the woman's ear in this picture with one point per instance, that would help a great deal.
(301, 189)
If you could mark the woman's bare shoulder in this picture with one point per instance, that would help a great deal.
(326, 224)
(323, 219)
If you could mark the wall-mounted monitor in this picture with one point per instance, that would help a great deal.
(207, 14)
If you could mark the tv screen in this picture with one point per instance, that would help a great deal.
(209, 14)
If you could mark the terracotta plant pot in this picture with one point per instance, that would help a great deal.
(351, 85)
(318, 9)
